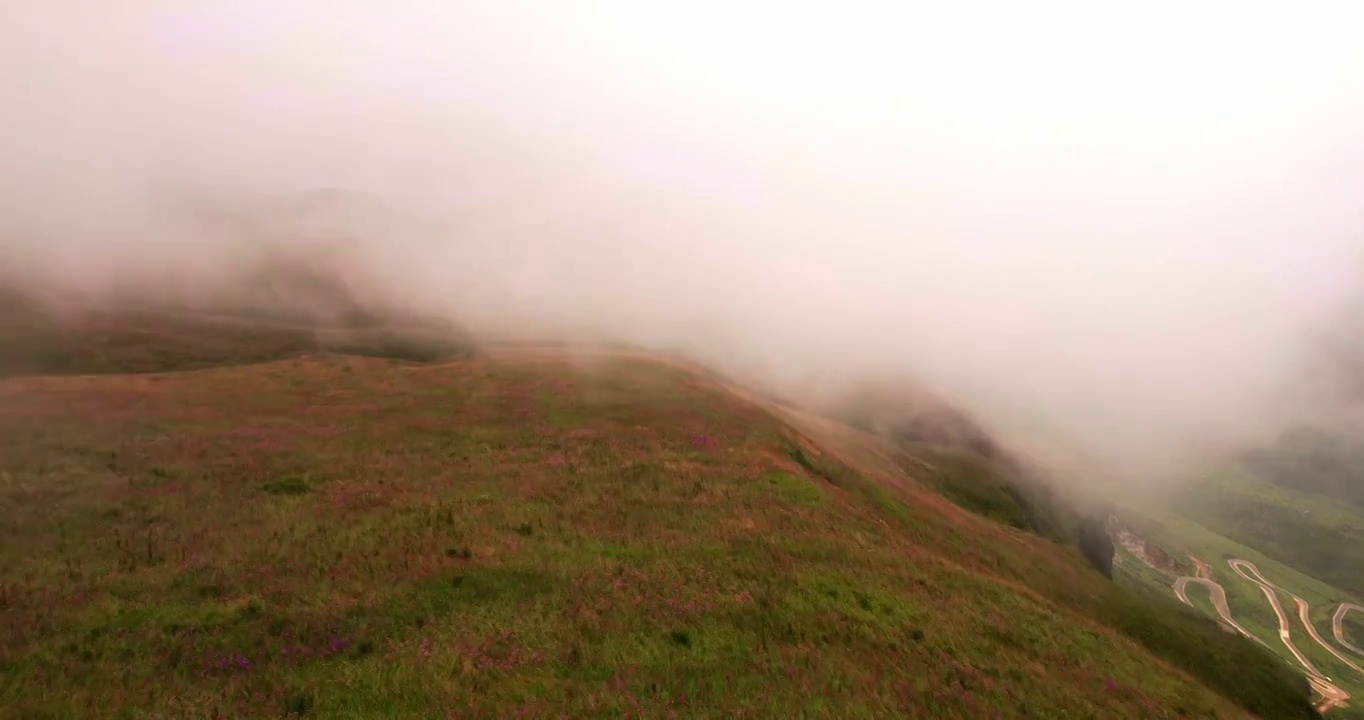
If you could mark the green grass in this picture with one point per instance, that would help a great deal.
(1314, 460)
(974, 485)
(1353, 626)
(1130, 572)
(1324, 537)
(795, 489)
(152, 340)
(1248, 603)
(948, 451)
(355, 537)
(1230, 664)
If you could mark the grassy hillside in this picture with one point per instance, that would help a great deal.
(34, 340)
(1247, 603)
(1321, 536)
(1313, 460)
(504, 535)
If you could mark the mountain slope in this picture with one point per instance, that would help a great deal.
(1317, 460)
(1320, 536)
(1242, 573)
(341, 536)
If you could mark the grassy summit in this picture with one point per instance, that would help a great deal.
(510, 534)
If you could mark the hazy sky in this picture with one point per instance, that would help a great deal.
(1127, 221)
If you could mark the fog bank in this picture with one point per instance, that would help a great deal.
(1127, 230)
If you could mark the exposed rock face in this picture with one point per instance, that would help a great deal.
(1159, 557)
(1096, 545)
(1150, 553)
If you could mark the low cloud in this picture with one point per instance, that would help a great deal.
(1128, 235)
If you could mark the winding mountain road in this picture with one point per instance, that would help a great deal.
(1247, 570)
(1339, 631)
(1219, 601)
(1241, 567)
(1332, 695)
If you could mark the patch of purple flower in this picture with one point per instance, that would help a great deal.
(228, 663)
